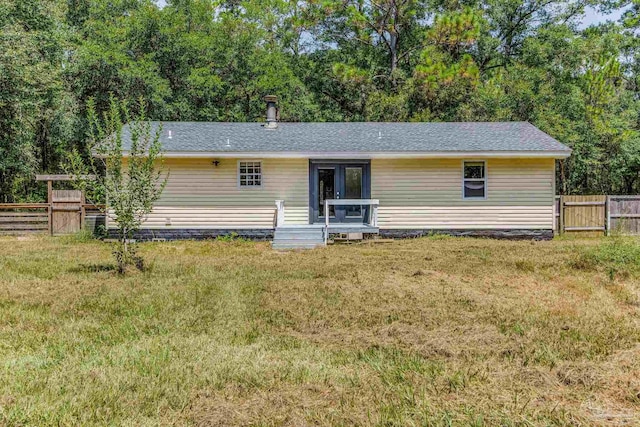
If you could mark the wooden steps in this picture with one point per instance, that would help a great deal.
(312, 235)
(298, 237)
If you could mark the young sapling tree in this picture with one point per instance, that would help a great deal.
(125, 164)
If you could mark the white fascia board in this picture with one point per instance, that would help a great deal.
(340, 155)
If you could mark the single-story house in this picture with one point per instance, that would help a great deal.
(391, 179)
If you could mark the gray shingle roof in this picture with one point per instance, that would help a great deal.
(199, 137)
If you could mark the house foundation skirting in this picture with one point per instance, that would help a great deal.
(522, 234)
(148, 234)
(267, 233)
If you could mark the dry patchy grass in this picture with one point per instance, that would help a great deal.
(434, 331)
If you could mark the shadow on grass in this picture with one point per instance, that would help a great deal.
(93, 268)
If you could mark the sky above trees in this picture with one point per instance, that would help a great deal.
(593, 16)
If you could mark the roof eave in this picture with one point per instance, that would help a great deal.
(558, 154)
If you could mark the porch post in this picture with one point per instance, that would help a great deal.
(279, 213)
(326, 221)
(374, 215)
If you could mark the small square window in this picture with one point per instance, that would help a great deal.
(250, 173)
(474, 180)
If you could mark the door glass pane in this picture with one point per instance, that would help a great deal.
(326, 189)
(353, 189)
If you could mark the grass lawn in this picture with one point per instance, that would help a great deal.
(433, 331)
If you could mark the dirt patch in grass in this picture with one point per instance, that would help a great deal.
(420, 332)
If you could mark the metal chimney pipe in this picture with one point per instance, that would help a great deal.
(272, 111)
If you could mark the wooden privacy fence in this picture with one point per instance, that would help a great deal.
(24, 218)
(60, 217)
(65, 212)
(600, 213)
(624, 214)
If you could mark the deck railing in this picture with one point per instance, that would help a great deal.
(373, 212)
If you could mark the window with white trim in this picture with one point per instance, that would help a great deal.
(474, 184)
(249, 174)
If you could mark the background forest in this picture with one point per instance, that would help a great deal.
(327, 60)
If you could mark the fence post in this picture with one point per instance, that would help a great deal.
(607, 208)
(83, 212)
(561, 217)
(50, 201)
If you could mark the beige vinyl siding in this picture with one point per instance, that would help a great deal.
(413, 193)
(427, 193)
(201, 195)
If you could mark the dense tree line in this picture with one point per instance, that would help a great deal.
(327, 60)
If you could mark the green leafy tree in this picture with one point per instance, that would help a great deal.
(389, 25)
(446, 73)
(337, 60)
(37, 114)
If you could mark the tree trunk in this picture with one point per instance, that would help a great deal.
(394, 37)
(124, 251)
(394, 56)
